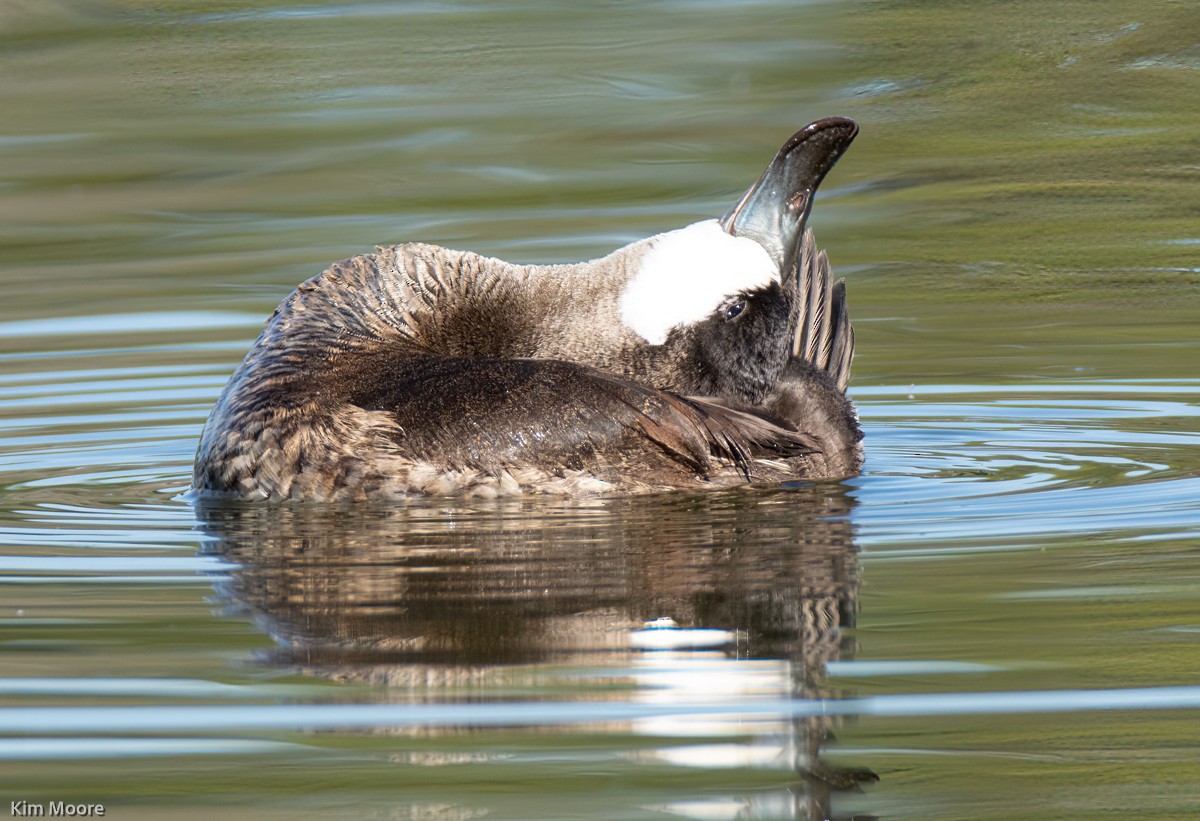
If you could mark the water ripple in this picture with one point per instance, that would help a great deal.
(206, 718)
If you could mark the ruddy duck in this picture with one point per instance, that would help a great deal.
(707, 356)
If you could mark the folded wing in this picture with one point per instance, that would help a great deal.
(494, 413)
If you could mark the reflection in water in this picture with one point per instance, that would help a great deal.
(676, 599)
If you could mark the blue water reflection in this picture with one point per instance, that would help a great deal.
(49, 720)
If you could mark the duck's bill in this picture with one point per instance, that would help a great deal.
(773, 212)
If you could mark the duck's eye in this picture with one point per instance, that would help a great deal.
(734, 309)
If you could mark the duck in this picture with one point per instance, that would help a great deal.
(713, 355)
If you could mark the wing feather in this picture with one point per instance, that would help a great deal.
(492, 413)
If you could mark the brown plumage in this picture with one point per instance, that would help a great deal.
(422, 370)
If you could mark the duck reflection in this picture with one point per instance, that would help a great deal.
(712, 599)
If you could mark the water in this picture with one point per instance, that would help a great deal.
(997, 620)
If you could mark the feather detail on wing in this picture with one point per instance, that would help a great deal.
(693, 429)
(491, 413)
(824, 336)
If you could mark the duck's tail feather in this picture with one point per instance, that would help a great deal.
(824, 337)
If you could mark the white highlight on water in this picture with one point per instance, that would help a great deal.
(26, 720)
(686, 276)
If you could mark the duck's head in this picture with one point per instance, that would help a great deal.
(716, 303)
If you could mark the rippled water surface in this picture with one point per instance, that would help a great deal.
(997, 620)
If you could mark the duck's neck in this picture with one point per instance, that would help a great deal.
(468, 305)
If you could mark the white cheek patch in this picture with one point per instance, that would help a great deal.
(687, 274)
